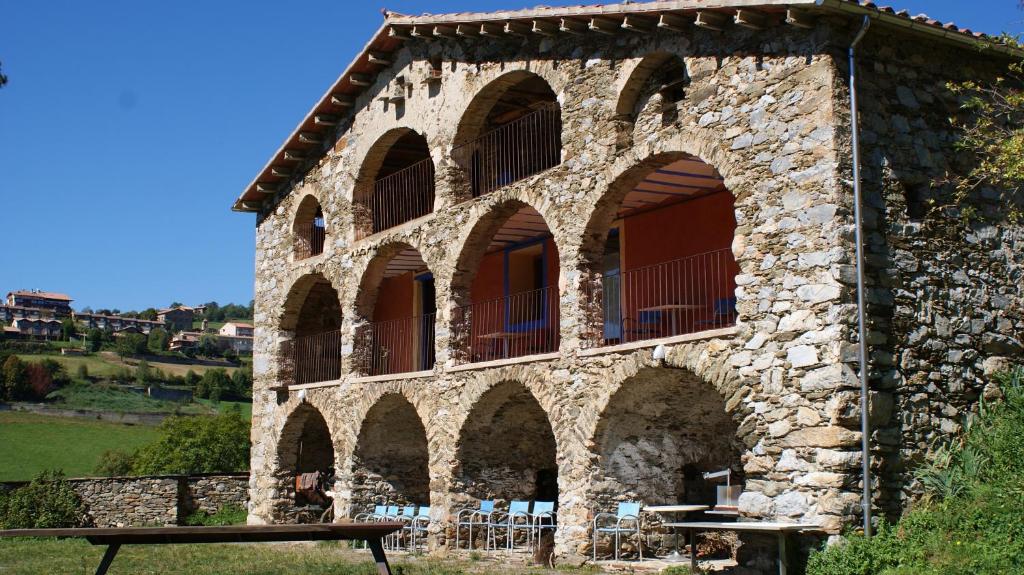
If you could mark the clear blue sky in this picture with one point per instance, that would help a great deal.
(128, 128)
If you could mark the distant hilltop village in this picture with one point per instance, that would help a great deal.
(43, 315)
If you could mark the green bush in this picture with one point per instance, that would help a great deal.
(971, 521)
(197, 444)
(115, 463)
(48, 501)
(227, 515)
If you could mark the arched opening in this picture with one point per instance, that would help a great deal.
(511, 130)
(309, 230)
(397, 306)
(651, 95)
(658, 248)
(305, 455)
(658, 436)
(313, 316)
(507, 295)
(506, 449)
(395, 184)
(390, 464)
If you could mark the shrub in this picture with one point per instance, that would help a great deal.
(199, 444)
(971, 520)
(115, 462)
(48, 501)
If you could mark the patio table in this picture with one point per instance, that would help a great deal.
(673, 310)
(675, 510)
(781, 530)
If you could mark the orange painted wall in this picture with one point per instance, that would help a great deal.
(681, 230)
(395, 298)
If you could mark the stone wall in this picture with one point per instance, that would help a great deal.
(773, 398)
(154, 500)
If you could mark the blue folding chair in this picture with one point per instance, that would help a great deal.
(543, 517)
(471, 518)
(405, 516)
(418, 526)
(517, 517)
(627, 520)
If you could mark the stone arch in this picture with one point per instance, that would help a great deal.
(309, 228)
(395, 332)
(395, 182)
(496, 304)
(522, 103)
(305, 445)
(310, 324)
(390, 460)
(659, 72)
(674, 222)
(506, 448)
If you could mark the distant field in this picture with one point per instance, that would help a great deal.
(106, 364)
(101, 397)
(223, 406)
(30, 443)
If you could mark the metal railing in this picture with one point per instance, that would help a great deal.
(395, 346)
(525, 323)
(317, 357)
(311, 239)
(676, 297)
(520, 148)
(399, 197)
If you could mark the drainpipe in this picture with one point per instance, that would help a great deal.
(865, 427)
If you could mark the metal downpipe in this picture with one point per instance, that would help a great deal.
(865, 427)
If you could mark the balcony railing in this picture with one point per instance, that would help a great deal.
(396, 346)
(520, 324)
(521, 148)
(677, 297)
(317, 357)
(311, 239)
(402, 196)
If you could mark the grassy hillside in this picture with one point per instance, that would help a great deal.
(108, 364)
(30, 443)
(971, 521)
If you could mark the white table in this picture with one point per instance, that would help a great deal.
(781, 530)
(673, 310)
(676, 510)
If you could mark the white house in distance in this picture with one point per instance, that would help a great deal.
(237, 329)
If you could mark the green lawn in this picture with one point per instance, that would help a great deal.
(30, 443)
(97, 365)
(101, 397)
(222, 406)
(74, 557)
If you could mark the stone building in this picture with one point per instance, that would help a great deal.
(520, 208)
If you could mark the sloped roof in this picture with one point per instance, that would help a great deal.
(41, 294)
(308, 140)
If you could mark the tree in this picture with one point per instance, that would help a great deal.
(131, 344)
(48, 502)
(15, 379)
(143, 375)
(176, 304)
(191, 378)
(83, 372)
(95, 339)
(215, 384)
(38, 380)
(993, 135)
(67, 329)
(158, 339)
(208, 346)
(241, 383)
(231, 355)
(197, 444)
(148, 314)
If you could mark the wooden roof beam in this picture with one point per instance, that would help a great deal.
(281, 171)
(491, 29)
(570, 26)
(343, 100)
(360, 79)
(294, 155)
(518, 28)
(604, 26)
(751, 19)
(799, 18)
(674, 22)
(266, 188)
(311, 137)
(712, 20)
(545, 28)
(325, 120)
(422, 32)
(252, 205)
(445, 31)
(467, 30)
(399, 33)
(378, 58)
(637, 24)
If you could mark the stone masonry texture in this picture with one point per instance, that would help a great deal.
(775, 398)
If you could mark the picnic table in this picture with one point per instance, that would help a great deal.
(673, 310)
(114, 538)
(781, 530)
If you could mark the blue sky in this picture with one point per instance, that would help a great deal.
(128, 128)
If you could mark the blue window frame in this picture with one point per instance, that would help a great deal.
(543, 296)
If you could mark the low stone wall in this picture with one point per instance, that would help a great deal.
(154, 500)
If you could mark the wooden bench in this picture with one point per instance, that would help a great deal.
(781, 530)
(114, 538)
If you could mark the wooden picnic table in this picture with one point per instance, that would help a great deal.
(114, 538)
(781, 530)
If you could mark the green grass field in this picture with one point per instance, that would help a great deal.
(99, 397)
(107, 364)
(30, 443)
(74, 557)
